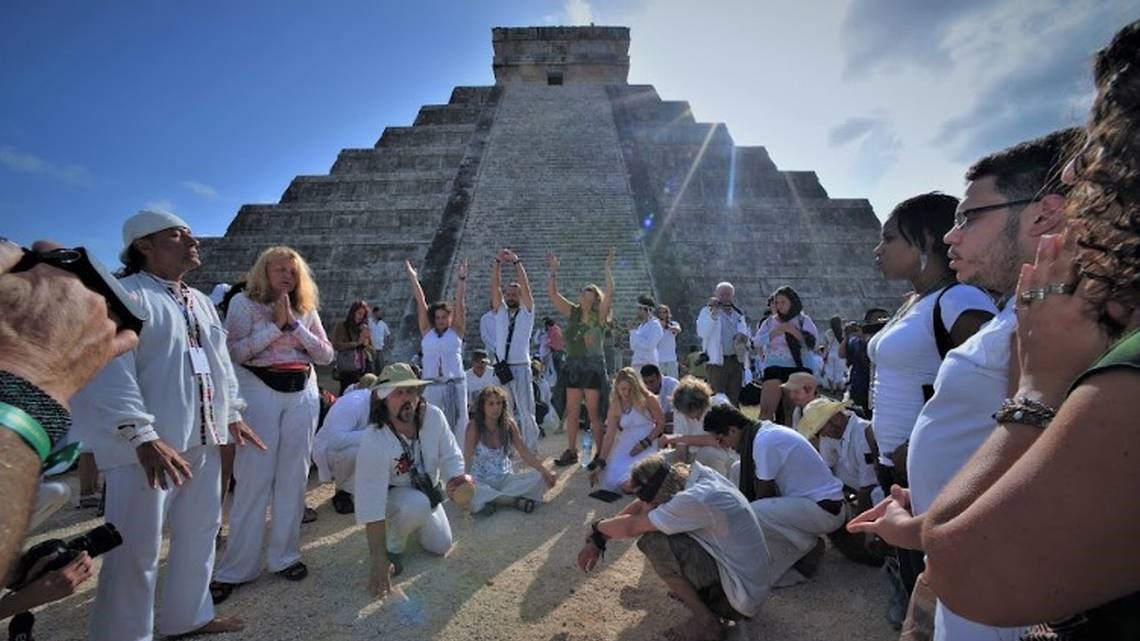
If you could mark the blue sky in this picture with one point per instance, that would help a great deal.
(203, 106)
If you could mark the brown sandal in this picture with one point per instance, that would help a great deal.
(295, 572)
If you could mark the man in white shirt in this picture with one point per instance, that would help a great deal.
(644, 337)
(337, 442)
(402, 457)
(1012, 200)
(701, 537)
(846, 444)
(802, 388)
(381, 335)
(795, 497)
(691, 400)
(154, 418)
(514, 321)
(478, 376)
(662, 386)
(718, 325)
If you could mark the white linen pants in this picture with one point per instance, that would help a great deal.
(409, 511)
(791, 526)
(669, 368)
(124, 598)
(276, 479)
(451, 396)
(342, 462)
(521, 392)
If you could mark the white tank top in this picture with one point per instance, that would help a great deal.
(443, 355)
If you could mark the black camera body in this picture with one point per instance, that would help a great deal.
(126, 313)
(94, 542)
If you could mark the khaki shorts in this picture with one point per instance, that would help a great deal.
(679, 555)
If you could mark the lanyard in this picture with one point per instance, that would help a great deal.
(186, 306)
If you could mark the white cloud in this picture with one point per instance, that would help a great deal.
(200, 189)
(161, 205)
(579, 12)
(823, 91)
(27, 163)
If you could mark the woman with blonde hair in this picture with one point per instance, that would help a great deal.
(487, 455)
(633, 425)
(583, 373)
(276, 336)
(442, 327)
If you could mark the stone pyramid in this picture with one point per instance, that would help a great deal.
(563, 154)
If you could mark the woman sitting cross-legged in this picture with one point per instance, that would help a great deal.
(634, 424)
(488, 459)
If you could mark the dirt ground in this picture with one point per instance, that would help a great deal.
(510, 576)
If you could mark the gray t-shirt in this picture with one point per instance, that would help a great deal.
(712, 511)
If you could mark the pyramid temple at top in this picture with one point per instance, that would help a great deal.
(563, 154)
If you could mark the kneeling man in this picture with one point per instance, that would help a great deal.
(702, 538)
(403, 454)
(795, 497)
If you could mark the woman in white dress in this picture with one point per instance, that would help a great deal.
(442, 327)
(487, 456)
(633, 425)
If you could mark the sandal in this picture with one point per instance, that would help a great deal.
(295, 572)
(524, 504)
(221, 591)
(397, 561)
(486, 510)
(569, 457)
(309, 515)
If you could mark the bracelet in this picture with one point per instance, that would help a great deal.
(27, 428)
(645, 443)
(1025, 411)
(49, 415)
(597, 537)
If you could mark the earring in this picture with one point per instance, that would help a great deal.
(923, 259)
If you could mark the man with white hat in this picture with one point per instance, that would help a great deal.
(802, 388)
(403, 454)
(846, 444)
(155, 417)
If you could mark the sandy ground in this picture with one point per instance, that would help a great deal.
(510, 576)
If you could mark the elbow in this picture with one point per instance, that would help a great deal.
(956, 577)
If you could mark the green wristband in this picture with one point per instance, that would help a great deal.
(27, 427)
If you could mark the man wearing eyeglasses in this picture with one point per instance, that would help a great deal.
(1013, 198)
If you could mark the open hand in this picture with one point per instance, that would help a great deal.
(241, 433)
(891, 520)
(159, 460)
(588, 557)
(552, 262)
(410, 271)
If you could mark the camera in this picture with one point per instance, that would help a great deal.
(94, 542)
(126, 313)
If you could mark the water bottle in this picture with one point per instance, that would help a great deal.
(587, 448)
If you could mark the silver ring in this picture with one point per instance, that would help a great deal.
(1066, 289)
(1030, 295)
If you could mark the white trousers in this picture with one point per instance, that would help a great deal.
(521, 392)
(276, 479)
(791, 526)
(409, 511)
(124, 598)
(669, 368)
(342, 462)
(451, 397)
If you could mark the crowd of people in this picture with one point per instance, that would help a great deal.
(948, 440)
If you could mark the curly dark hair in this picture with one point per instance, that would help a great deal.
(435, 307)
(1106, 195)
(379, 416)
(479, 415)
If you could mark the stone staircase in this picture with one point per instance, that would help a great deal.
(376, 208)
(722, 212)
(553, 178)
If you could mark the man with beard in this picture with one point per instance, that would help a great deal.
(403, 454)
(514, 323)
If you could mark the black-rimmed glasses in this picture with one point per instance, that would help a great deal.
(962, 217)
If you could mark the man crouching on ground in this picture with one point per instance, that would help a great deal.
(402, 456)
(702, 538)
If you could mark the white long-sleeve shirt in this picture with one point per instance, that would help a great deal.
(255, 339)
(379, 462)
(709, 329)
(153, 388)
(343, 426)
(643, 341)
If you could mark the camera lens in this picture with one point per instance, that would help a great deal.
(97, 541)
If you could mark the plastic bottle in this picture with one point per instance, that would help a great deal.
(587, 454)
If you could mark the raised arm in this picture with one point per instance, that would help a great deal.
(608, 304)
(496, 282)
(459, 319)
(559, 301)
(526, 296)
(418, 297)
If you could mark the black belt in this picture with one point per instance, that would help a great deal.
(830, 505)
(282, 380)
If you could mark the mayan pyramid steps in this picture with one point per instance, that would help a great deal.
(563, 154)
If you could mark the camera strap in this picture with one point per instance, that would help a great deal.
(412, 450)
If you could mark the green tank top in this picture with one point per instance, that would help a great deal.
(1125, 354)
(584, 337)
